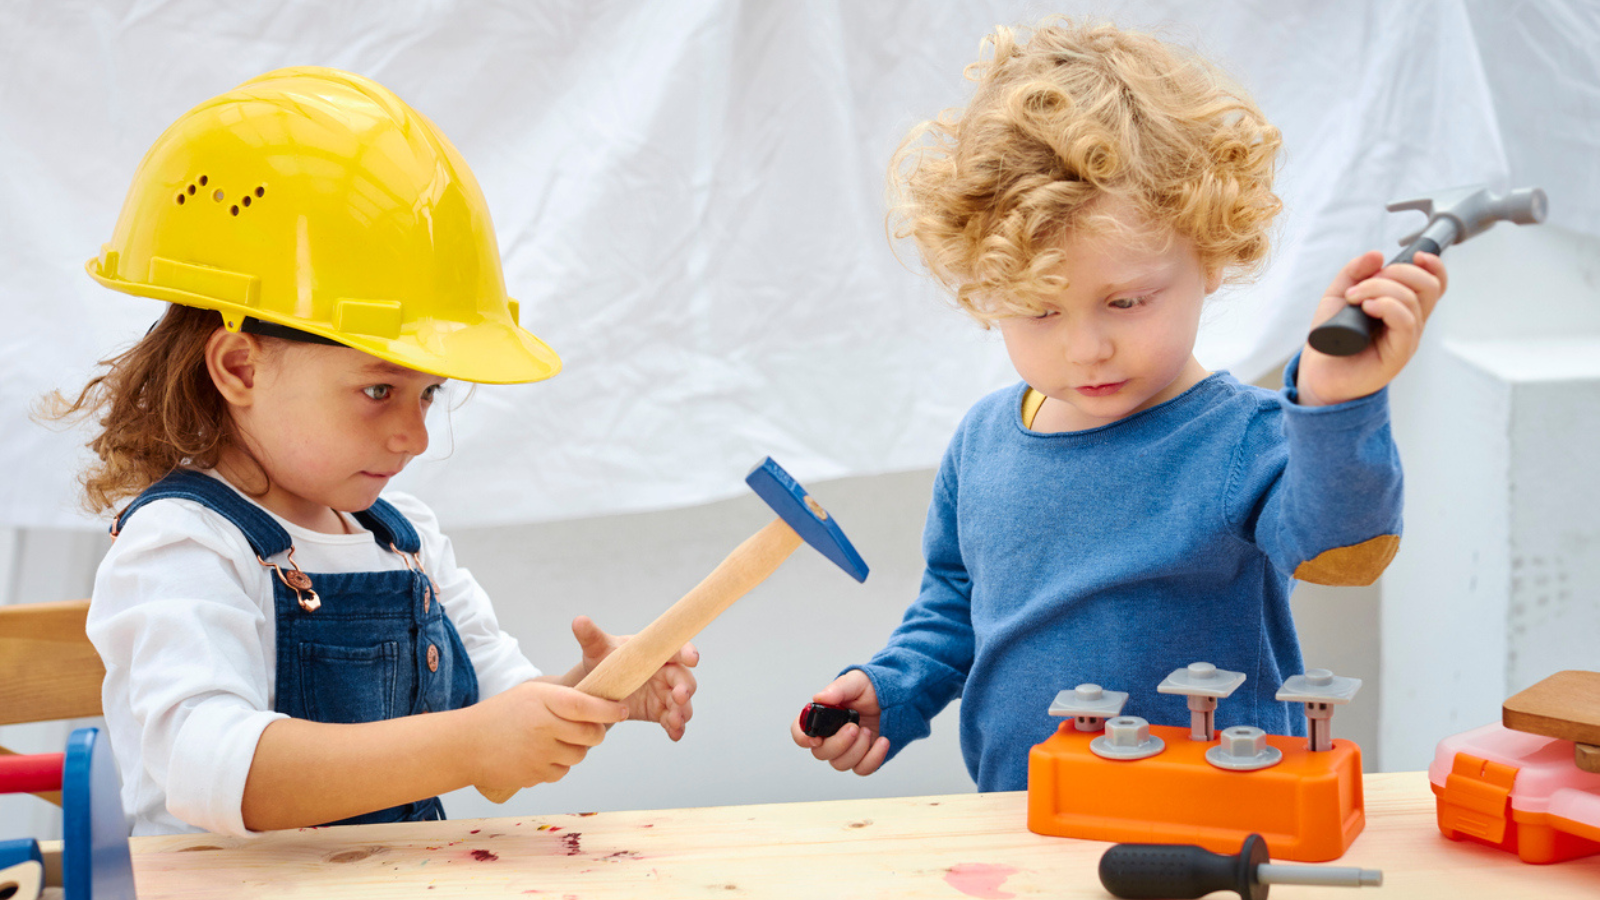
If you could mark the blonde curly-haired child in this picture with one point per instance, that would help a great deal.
(1121, 512)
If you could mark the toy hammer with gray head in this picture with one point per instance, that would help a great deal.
(1453, 216)
(800, 518)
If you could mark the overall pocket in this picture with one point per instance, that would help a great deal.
(346, 685)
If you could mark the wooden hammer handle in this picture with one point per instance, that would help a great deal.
(629, 666)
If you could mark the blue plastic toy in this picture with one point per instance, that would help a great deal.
(95, 864)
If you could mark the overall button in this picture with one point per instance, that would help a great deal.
(433, 657)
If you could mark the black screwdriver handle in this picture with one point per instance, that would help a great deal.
(1181, 871)
(1350, 330)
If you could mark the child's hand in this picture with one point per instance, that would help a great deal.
(1402, 296)
(855, 748)
(664, 698)
(536, 731)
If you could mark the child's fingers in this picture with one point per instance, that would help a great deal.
(591, 639)
(849, 690)
(836, 745)
(1433, 265)
(1402, 321)
(676, 719)
(1425, 277)
(579, 735)
(675, 677)
(1383, 286)
(687, 655)
(801, 739)
(855, 752)
(1355, 271)
(874, 757)
(576, 706)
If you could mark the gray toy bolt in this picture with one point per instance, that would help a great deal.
(1127, 737)
(1453, 216)
(1320, 690)
(1089, 705)
(1203, 683)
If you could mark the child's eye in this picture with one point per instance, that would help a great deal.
(1129, 302)
(378, 391)
(431, 392)
(1046, 314)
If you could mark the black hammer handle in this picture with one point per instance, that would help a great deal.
(1350, 330)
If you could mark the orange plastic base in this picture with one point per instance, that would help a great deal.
(1308, 806)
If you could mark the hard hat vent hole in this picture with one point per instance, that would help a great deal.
(191, 190)
(261, 191)
(202, 181)
(234, 210)
(246, 200)
(180, 199)
(217, 195)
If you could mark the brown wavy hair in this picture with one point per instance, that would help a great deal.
(1066, 116)
(156, 407)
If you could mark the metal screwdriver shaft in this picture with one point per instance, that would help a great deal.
(1178, 872)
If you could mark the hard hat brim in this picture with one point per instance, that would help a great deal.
(486, 352)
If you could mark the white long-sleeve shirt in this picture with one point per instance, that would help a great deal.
(183, 618)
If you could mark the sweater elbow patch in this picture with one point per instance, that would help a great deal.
(1355, 565)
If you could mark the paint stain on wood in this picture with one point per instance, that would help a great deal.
(570, 842)
(484, 855)
(198, 847)
(861, 824)
(980, 880)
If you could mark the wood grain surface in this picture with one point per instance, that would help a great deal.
(956, 846)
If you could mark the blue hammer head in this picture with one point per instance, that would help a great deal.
(805, 515)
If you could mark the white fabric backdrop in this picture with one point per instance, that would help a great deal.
(689, 200)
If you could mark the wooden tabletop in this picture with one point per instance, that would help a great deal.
(955, 847)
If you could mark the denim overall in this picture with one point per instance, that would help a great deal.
(352, 646)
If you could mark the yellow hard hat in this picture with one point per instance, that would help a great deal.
(315, 204)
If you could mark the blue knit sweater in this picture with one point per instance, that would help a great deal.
(1118, 554)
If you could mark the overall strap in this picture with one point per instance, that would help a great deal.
(266, 536)
(389, 527)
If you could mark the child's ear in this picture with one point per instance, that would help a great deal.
(1213, 280)
(233, 360)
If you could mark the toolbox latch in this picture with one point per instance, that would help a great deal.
(1477, 798)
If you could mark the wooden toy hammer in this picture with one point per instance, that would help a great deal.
(800, 518)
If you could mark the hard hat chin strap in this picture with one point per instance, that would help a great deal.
(256, 326)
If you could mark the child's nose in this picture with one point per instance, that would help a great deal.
(1088, 343)
(410, 434)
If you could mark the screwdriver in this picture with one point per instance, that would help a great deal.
(1182, 871)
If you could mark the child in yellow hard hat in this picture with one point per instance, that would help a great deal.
(1121, 512)
(285, 644)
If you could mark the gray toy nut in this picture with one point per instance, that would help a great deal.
(1127, 737)
(1243, 748)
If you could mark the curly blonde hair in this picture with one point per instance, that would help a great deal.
(1073, 114)
(157, 409)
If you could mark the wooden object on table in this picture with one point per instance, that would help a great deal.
(48, 668)
(800, 519)
(1565, 706)
(953, 847)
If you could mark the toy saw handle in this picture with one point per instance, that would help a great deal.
(629, 666)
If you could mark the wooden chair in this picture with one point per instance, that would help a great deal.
(48, 668)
